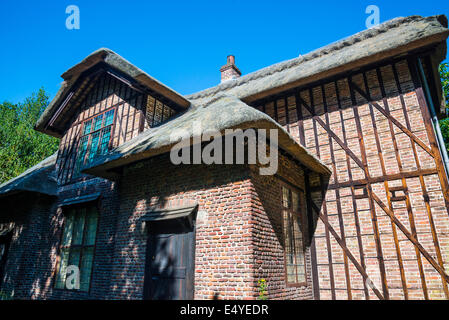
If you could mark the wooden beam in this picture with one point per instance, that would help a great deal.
(421, 180)
(337, 196)
(392, 119)
(370, 200)
(410, 237)
(348, 253)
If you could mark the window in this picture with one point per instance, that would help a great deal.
(293, 230)
(77, 245)
(95, 139)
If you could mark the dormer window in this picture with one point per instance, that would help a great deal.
(103, 110)
(95, 139)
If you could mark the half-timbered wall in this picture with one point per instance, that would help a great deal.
(133, 112)
(383, 231)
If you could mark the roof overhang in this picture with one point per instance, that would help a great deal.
(388, 40)
(234, 114)
(80, 199)
(77, 80)
(37, 179)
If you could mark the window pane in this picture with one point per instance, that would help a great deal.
(97, 122)
(74, 259)
(297, 227)
(109, 118)
(291, 276)
(81, 155)
(78, 228)
(86, 268)
(105, 137)
(79, 234)
(92, 219)
(288, 246)
(299, 250)
(68, 229)
(285, 197)
(293, 237)
(2, 250)
(94, 146)
(87, 127)
(295, 202)
(60, 279)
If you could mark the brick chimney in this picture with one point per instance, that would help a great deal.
(229, 70)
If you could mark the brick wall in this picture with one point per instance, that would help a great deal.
(223, 259)
(267, 231)
(32, 259)
(386, 158)
(22, 267)
(237, 231)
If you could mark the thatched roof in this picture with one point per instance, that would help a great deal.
(223, 112)
(389, 39)
(224, 107)
(215, 109)
(40, 179)
(115, 61)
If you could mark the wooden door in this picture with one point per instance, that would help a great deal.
(170, 263)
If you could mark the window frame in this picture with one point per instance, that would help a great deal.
(78, 206)
(302, 216)
(76, 172)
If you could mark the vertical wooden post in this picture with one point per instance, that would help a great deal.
(337, 198)
(368, 187)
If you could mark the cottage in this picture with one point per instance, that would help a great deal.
(356, 209)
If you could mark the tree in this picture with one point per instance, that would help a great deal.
(444, 123)
(444, 75)
(21, 147)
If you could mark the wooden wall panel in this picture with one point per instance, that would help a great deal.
(383, 229)
(134, 113)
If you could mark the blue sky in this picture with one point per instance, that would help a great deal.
(181, 43)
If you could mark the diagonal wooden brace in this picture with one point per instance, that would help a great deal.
(410, 237)
(392, 119)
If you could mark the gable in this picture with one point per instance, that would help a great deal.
(107, 112)
(78, 82)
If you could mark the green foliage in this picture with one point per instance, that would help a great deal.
(262, 289)
(21, 147)
(444, 126)
(6, 296)
(444, 123)
(444, 75)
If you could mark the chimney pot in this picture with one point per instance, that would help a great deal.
(229, 71)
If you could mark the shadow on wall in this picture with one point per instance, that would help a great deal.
(268, 234)
(147, 185)
(31, 262)
(24, 276)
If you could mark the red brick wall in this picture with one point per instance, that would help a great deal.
(267, 231)
(223, 256)
(32, 258)
(237, 229)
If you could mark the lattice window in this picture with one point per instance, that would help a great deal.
(95, 139)
(157, 112)
(77, 245)
(293, 230)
